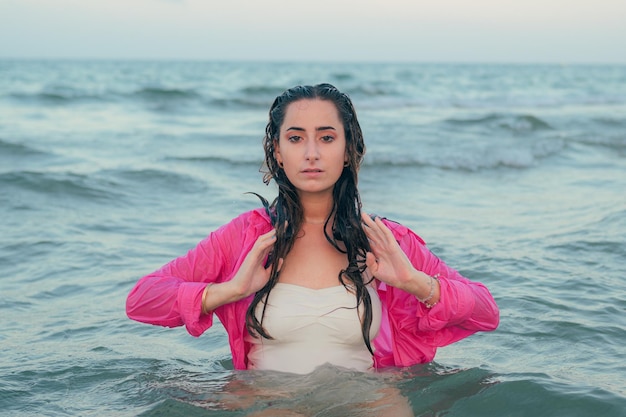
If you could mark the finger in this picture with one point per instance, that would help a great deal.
(366, 219)
(370, 261)
(266, 239)
(369, 221)
(270, 235)
(372, 229)
(263, 246)
(387, 233)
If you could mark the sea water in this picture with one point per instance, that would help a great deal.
(513, 174)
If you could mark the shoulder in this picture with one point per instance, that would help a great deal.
(258, 216)
(253, 220)
(241, 232)
(400, 231)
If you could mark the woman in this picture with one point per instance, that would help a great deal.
(310, 279)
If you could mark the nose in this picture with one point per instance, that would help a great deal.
(312, 151)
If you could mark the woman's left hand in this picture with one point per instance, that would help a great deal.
(387, 261)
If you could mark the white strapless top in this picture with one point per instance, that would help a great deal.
(312, 327)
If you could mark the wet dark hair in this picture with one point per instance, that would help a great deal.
(286, 211)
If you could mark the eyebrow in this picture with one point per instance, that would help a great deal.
(318, 129)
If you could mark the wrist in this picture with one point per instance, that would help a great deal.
(203, 306)
(425, 288)
(233, 291)
(218, 294)
(416, 283)
(433, 293)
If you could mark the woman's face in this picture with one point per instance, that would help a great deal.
(312, 145)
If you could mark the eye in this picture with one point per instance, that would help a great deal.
(294, 138)
(327, 138)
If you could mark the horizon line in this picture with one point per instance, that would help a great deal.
(315, 61)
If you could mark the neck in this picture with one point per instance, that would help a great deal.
(316, 208)
(314, 221)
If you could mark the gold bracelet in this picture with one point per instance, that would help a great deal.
(204, 293)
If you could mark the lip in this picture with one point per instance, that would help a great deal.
(311, 172)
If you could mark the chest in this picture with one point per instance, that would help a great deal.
(313, 262)
(296, 314)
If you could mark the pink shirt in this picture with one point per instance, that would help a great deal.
(410, 333)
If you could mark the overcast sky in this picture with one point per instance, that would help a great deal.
(559, 31)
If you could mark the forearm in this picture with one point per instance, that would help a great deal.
(219, 294)
(459, 301)
(170, 296)
(156, 300)
(424, 287)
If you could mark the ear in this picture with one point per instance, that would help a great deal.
(277, 156)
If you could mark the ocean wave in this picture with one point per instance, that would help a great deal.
(146, 181)
(614, 219)
(11, 150)
(476, 160)
(585, 247)
(262, 90)
(113, 187)
(610, 121)
(167, 100)
(367, 95)
(58, 96)
(44, 97)
(342, 76)
(158, 93)
(66, 96)
(372, 90)
(518, 123)
(615, 141)
(217, 159)
(242, 102)
(248, 97)
(538, 394)
(159, 96)
(600, 237)
(56, 185)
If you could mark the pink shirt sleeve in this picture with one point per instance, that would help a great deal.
(464, 307)
(171, 296)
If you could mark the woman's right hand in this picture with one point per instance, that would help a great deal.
(250, 278)
(252, 274)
